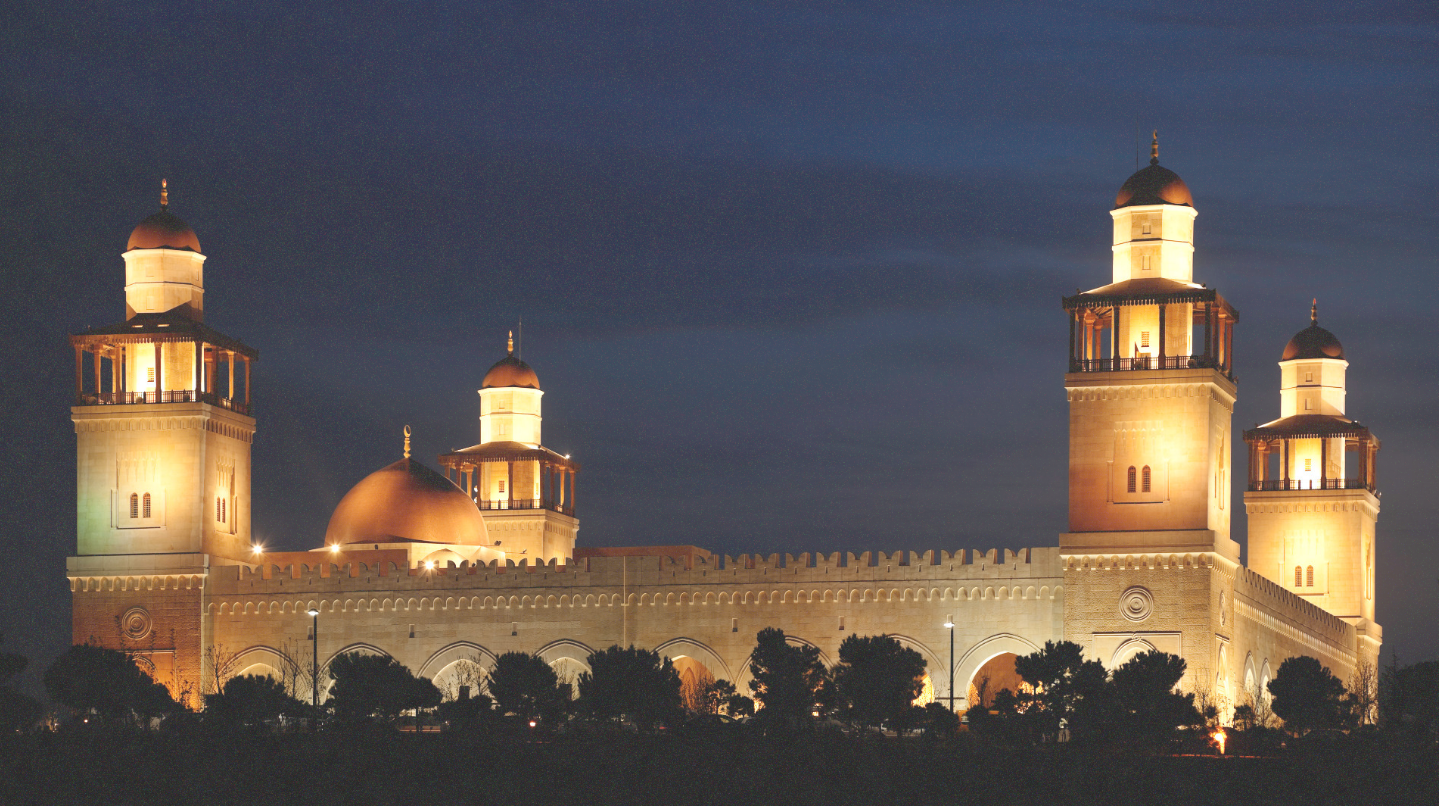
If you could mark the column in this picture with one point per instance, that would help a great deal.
(210, 360)
(1162, 352)
(247, 384)
(159, 371)
(99, 386)
(1323, 462)
(509, 485)
(572, 488)
(1114, 336)
(1284, 446)
(1208, 331)
(230, 363)
(1073, 315)
(199, 366)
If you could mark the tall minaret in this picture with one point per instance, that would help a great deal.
(1311, 499)
(163, 427)
(525, 491)
(1151, 393)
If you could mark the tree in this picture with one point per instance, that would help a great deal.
(634, 683)
(18, 710)
(788, 680)
(377, 686)
(1363, 695)
(877, 679)
(107, 682)
(1307, 695)
(1144, 688)
(252, 700)
(707, 696)
(526, 686)
(1409, 702)
(1065, 690)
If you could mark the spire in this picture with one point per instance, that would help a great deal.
(1314, 312)
(1154, 149)
(164, 194)
(511, 345)
(407, 442)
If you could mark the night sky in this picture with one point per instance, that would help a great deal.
(790, 273)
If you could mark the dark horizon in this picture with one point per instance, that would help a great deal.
(790, 278)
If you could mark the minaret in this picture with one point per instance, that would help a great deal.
(1151, 393)
(1311, 499)
(163, 427)
(525, 491)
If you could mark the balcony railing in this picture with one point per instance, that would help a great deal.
(525, 503)
(170, 396)
(1143, 363)
(1285, 485)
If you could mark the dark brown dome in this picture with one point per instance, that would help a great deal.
(163, 231)
(1153, 185)
(1313, 342)
(406, 501)
(511, 371)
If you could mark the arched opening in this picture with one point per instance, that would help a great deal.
(996, 675)
(695, 677)
(1131, 485)
(568, 670)
(926, 691)
(1146, 477)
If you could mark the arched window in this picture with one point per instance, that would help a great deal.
(1298, 577)
(1309, 577)
(223, 512)
(134, 505)
(218, 515)
(1146, 476)
(1131, 478)
(145, 508)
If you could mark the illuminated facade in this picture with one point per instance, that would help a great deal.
(441, 568)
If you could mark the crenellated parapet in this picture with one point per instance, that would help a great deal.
(1272, 607)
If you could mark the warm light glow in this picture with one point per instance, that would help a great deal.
(949, 625)
(1219, 737)
(532, 723)
(257, 549)
(312, 612)
(430, 564)
(334, 548)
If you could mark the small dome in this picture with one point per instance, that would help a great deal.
(407, 501)
(511, 371)
(1153, 185)
(1313, 342)
(163, 230)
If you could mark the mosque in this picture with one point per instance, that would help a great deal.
(445, 569)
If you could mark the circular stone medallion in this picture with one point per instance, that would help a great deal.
(1136, 603)
(135, 624)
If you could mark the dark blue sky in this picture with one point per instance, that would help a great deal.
(790, 273)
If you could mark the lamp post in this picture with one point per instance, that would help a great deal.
(315, 666)
(949, 625)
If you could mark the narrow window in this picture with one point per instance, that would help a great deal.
(1309, 577)
(223, 513)
(218, 516)
(134, 505)
(502, 486)
(1131, 478)
(1306, 404)
(1144, 338)
(1298, 577)
(149, 374)
(1147, 228)
(146, 506)
(1308, 465)
(1146, 478)
(1309, 377)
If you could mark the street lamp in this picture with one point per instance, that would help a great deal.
(949, 625)
(315, 665)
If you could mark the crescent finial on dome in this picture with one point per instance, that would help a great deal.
(1154, 149)
(407, 442)
(510, 345)
(1314, 311)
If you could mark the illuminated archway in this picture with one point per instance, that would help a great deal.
(996, 675)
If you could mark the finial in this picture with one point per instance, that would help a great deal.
(407, 442)
(164, 194)
(1314, 312)
(1154, 149)
(511, 345)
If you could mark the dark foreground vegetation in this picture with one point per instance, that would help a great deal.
(630, 730)
(718, 765)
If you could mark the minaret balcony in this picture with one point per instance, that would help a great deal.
(1150, 362)
(167, 396)
(487, 505)
(1287, 485)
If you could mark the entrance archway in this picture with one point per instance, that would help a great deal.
(996, 675)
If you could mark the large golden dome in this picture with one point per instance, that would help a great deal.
(163, 230)
(1153, 185)
(406, 502)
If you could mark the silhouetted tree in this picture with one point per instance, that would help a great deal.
(377, 686)
(1063, 690)
(877, 680)
(18, 710)
(1409, 700)
(251, 700)
(707, 696)
(1307, 695)
(1144, 689)
(937, 720)
(634, 683)
(107, 682)
(788, 680)
(527, 687)
(1362, 695)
